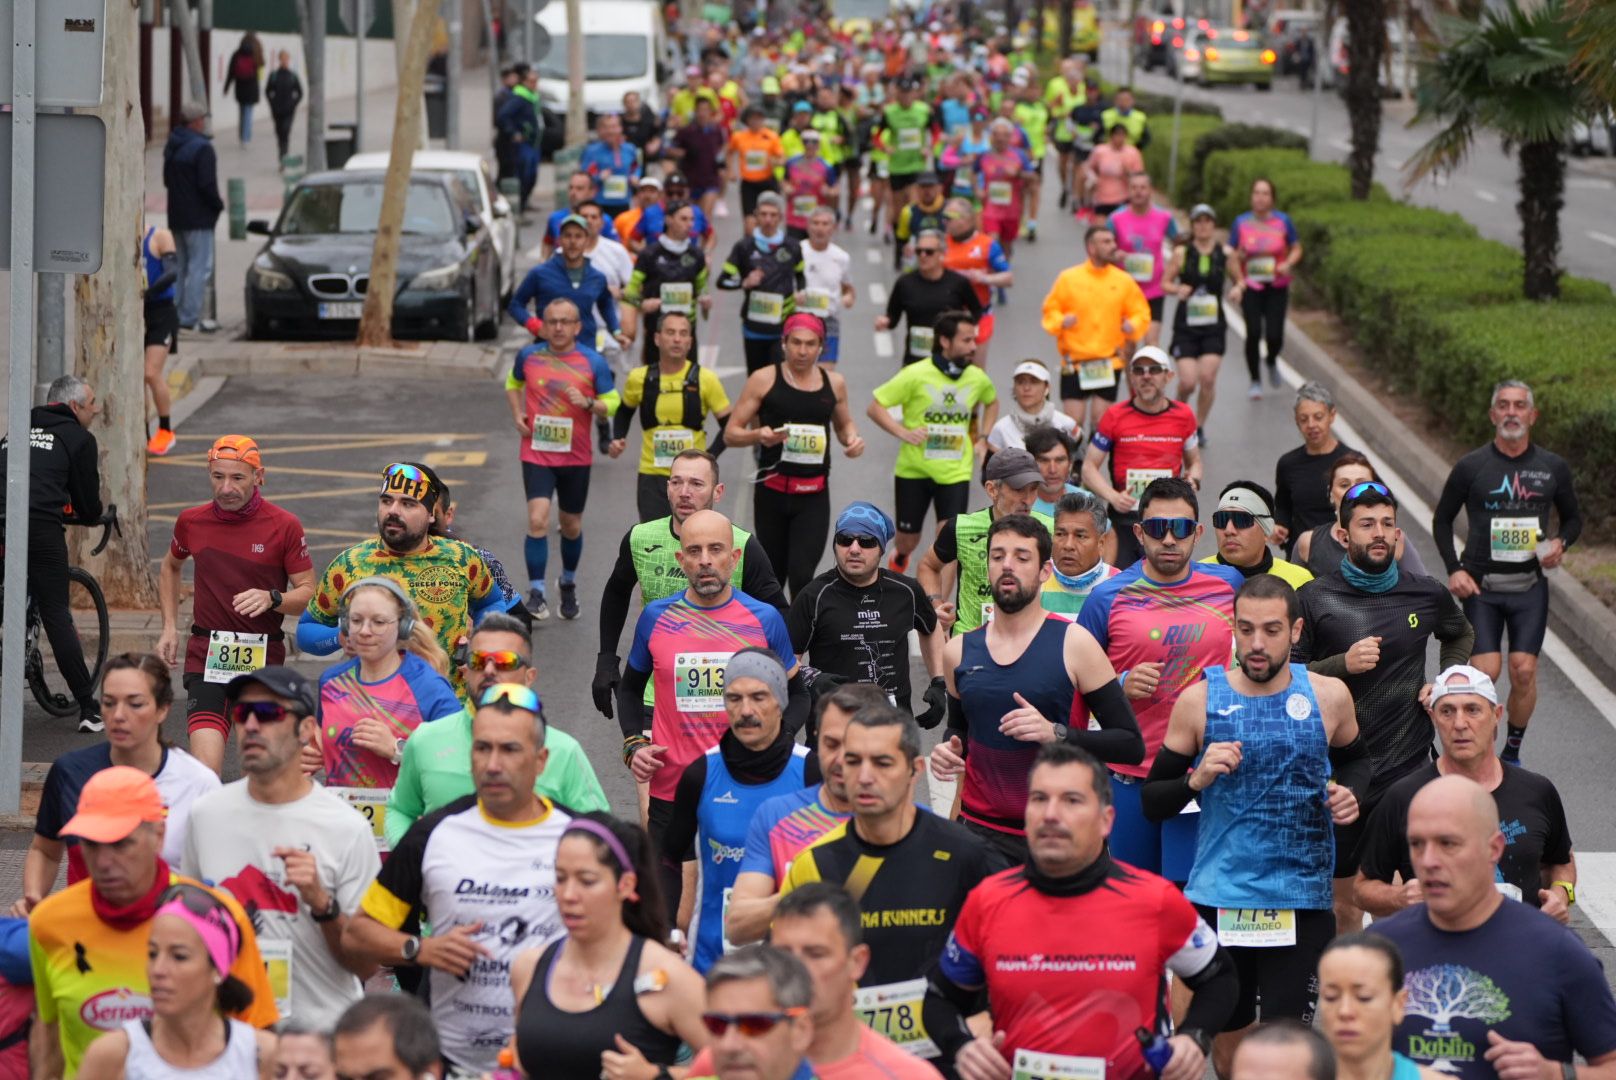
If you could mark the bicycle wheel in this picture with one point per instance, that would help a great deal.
(89, 608)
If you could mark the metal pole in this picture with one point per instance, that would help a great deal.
(361, 20)
(52, 331)
(494, 59)
(527, 31)
(451, 132)
(1320, 58)
(1172, 154)
(20, 405)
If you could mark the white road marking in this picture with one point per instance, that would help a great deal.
(1596, 889)
(872, 255)
(1341, 144)
(883, 344)
(878, 293)
(1589, 183)
(1486, 196)
(707, 357)
(1603, 238)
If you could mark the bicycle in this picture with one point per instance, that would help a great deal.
(83, 593)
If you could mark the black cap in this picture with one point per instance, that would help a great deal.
(280, 681)
(674, 180)
(928, 178)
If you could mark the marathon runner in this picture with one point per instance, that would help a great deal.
(1266, 250)
(673, 399)
(827, 271)
(554, 392)
(1302, 496)
(810, 183)
(239, 601)
(1133, 120)
(568, 275)
(1096, 314)
(161, 319)
(1029, 408)
(939, 399)
(1272, 754)
(613, 163)
(1322, 549)
(922, 213)
(1507, 489)
(1244, 523)
(580, 189)
(1063, 93)
(920, 297)
(1368, 624)
(754, 153)
(1051, 448)
(767, 265)
(698, 146)
(683, 642)
(1197, 275)
(979, 259)
(1027, 677)
(795, 406)
(1031, 114)
(1106, 172)
(903, 130)
(647, 193)
(675, 189)
(1004, 181)
(1073, 951)
(1077, 561)
(1143, 231)
(1147, 437)
(1163, 622)
(909, 870)
(670, 277)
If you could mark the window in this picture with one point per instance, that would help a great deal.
(355, 207)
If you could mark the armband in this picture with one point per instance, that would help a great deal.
(630, 745)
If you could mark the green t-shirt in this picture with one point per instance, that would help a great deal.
(973, 595)
(907, 133)
(945, 407)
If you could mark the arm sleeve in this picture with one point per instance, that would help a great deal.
(314, 636)
(681, 832)
(946, 546)
(1118, 741)
(757, 577)
(397, 890)
(1565, 501)
(405, 803)
(1447, 508)
(606, 304)
(894, 308)
(800, 619)
(729, 277)
(1352, 767)
(955, 984)
(798, 704)
(1454, 631)
(171, 271)
(1167, 789)
(631, 702)
(615, 598)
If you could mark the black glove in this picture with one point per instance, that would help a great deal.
(936, 698)
(604, 688)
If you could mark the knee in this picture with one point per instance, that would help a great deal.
(1522, 668)
(538, 523)
(572, 526)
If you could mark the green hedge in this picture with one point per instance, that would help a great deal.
(1323, 225)
(1231, 137)
(1299, 181)
(1191, 129)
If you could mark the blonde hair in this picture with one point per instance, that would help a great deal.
(422, 641)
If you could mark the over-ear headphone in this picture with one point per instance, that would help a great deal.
(406, 620)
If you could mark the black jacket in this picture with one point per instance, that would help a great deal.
(64, 466)
(246, 86)
(284, 91)
(191, 175)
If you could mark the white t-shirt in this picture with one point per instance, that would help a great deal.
(1007, 434)
(232, 842)
(613, 261)
(827, 271)
(181, 781)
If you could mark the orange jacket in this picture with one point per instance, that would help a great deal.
(1101, 299)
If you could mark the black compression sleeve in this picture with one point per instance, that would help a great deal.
(758, 578)
(943, 1012)
(956, 719)
(1447, 508)
(715, 445)
(631, 701)
(1217, 991)
(622, 422)
(799, 702)
(614, 600)
(1118, 741)
(681, 831)
(1167, 790)
(1352, 767)
(1565, 502)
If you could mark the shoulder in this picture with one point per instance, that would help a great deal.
(181, 768)
(1227, 574)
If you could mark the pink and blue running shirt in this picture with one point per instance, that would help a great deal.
(1265, 244)
(411, 696)
(809, 180)
(782, 827)
(685, 648)
(1001, 182)
(1140, 238)
(1186, 627)
(561, 430)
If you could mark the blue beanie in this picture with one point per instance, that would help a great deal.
(866, 519)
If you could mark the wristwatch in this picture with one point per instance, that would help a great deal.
(410, 949)
(1570, 891)
(331, 910)
(1062, 732)
(274, 599)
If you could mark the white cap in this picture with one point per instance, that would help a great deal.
(1463, 679)
(1155, 353)
(1021, 78)
(649, 181)
(1033, 368)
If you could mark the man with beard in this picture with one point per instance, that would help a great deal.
(1025, 679)
(447, 579)
(684, 642)
(1273, 753)
(1368, 624)
(754, 761)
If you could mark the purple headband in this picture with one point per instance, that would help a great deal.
(605, 836)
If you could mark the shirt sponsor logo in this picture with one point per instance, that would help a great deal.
(111, 1009)
(1067, 962)
(1443, 993)
(727, 797)
(506, 894)
(723, 853)
(898, 918)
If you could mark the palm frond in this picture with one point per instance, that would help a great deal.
(1591, 25)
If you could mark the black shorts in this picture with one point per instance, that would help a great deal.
(913, 495)
(1071, 391)
(1156, 305)
(1282, 982)
(901, 181)
(162, 323)
(659, 815)
(1523, 615)
(1062, 146)
(751, 189)
(1192, 343)
(1010, 848)
(204, 705)
(1105, 210)
(567, 484)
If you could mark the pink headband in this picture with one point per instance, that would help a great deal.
(804, 321)
(222, 944)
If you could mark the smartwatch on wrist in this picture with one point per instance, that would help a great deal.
(1062, 732)
(1570, 891)
(327, 914)
(410, 949)
(274, 599)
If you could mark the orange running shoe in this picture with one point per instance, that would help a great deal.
(160, 443)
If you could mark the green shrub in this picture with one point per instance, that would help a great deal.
(1322, 225)
(1299, 182)
(1232, 137)
(1191, 130)
(1158, 107)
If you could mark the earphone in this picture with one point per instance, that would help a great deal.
(406, 620)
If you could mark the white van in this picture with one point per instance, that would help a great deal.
(625, 48)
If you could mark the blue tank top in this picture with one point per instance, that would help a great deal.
(154, 270)
(1265, 838)
(995, 789)
(1404, 1068)
(722, 818)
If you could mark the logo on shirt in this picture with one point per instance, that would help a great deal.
(1515, 488)
(1442, 994)
(1230, 710)
(258, 549)
(111, 1009)
(1066, 962)
(727, 797)
(723, 853)
(259, 895)
(1512, 830)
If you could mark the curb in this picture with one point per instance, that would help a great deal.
(1575, 613)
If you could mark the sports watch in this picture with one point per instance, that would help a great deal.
(410, 949)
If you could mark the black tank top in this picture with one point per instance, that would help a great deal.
(1209, 282)
(808, 412)
(561, 1045)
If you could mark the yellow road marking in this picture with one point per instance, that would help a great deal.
(445, 459)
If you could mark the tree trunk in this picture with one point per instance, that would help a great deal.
(1064, 21)
(376, 324)
(311, 23)
(196, 87)
(1366, 39)
(404, 16)
(1542, 184)
(577, 110)
(109, 328)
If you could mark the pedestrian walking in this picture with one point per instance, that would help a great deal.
(242, 74)
(283, 90)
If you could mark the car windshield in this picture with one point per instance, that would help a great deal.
(606, 56)
(355, 207)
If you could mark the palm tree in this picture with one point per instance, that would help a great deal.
(1366, 48)
(1593, 30)
(1510, 72)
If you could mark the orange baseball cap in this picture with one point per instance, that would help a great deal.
(114, 803)
(236, 448)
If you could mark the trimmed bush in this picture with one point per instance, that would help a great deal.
(1233, 137)
(1299, 181)
(1191, 130)
(1322, 225)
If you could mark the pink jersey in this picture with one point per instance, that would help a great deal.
(562, 432)
(808, 180)
(1140, 238)
(1003, 182)
(1264, 244)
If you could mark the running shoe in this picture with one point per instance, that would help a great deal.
(1200, 435)
(569, 600)
(1065, 196)
(1273, 377)
(899, 563)
(537, 606)
(721, 210)
(1032, 232)
(160, 443)
(90, 723)
(1255, 393)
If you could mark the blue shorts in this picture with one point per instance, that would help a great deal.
(832, 350)
(567, 484)
(1167, 848)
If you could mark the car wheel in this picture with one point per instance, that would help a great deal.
(460, 329)
(486, 329)
(1265, 86)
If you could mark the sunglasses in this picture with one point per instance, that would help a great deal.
(204, 905)
(265, 712)
(752, 1025)
(519, 696)
(1368, 485)
(408, 472)
(1148, 369)
(868, 543)
(1158, 528)
(928, 251)
(1240, 519)
(503, 660)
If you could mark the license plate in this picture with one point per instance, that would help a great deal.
(345, 309)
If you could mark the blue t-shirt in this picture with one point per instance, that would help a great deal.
(653, 223)
(552, 227)
(1520, 974)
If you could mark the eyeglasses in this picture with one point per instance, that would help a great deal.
(364, 622)
(928, 251)
(1368, 485)
(752, 1025)
(564, 321)
(1158, 528)
(265, 712)
(519, 696)
(503, 660)
(868, 543)
(1148, 369)
(1240, 519)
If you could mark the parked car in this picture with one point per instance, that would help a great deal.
(311, 276)
(469, 171)
(1287, 29)
(1222, 54)
(1396, 70)
(1594, 137)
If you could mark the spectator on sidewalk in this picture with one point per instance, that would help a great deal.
(191, 175)
(520, 126)
(242, 73)
(283, 91)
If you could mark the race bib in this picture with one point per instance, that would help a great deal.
(552, 434)
(1260, 268)
(723, 922)
(1140, 265)
(756, 160)
(678, 297)
(1513, 539)
(1256, 928)
(372, 803)
(987, 612)
(699, 681)
(921, 340)
(614, 188)
(1201, 309)
(231, 654)
(893, 1010)
(1000, 192)
(1513, 892)
(1098, 374)
(945, 442)
(1137, 480)
(277, 954)
(909, 139)
(669, 443)
(1031, 1065)
(816, 302)
(805, 444)
(803, 205)
(766, 307)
